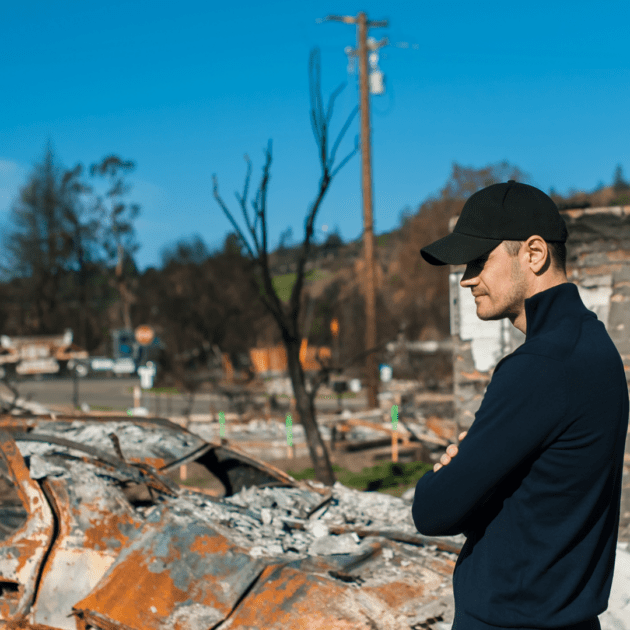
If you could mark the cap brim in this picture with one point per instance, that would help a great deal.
(457, 249)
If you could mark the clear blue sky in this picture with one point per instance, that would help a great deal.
(186, 88)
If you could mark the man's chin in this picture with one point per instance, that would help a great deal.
(485, 316)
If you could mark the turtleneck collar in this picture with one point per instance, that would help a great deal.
(544, 310)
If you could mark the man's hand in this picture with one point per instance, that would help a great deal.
(451, 451)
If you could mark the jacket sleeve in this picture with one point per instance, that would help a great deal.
(524, 402)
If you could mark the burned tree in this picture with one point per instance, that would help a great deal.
(118, 234)
(287, 316)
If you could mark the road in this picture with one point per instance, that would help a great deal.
(116, 394)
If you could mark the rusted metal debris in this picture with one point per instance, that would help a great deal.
(95, 536)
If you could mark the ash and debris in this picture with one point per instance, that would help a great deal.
(287, 521)
(287, 524)
(21, 406)
(361, 539)
(137, 439)
(268, 521)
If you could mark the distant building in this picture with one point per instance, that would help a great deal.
(38, 354)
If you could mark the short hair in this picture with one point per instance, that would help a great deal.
(557, 249)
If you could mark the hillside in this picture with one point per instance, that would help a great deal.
(412, 295)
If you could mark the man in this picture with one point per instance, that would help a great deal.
(536, 484)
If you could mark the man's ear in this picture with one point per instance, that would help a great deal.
(538, 255)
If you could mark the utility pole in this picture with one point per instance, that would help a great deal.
(366, 178)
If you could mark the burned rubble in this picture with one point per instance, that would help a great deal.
(100, 537)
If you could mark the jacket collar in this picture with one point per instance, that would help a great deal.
(544, 310)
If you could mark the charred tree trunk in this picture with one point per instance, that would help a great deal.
(123, 290)
(305, 408)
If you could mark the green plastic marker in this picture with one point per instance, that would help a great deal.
(221, 424)
(394, 416)
(289, 431)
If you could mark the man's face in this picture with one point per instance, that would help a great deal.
(498, 284)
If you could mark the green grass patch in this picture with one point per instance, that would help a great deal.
(283, 284)
(386, 477)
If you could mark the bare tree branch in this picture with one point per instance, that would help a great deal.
(242, 199)
(345, 160)
(320, 126)
(215, 190)
(263, 199)
(331, 101)
(263, 254)
(339, 138)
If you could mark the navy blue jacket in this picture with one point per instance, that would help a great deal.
(536, 484)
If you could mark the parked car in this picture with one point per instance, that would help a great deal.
(124, 366)
(101, 365)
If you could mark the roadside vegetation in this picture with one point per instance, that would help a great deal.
(387, 477)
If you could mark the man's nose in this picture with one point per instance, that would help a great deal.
(470, 277)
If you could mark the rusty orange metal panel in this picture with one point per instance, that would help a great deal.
(16, 423)
(154, 462)
(285, 598)
(95, 524)
(185, 574)
(23, 549)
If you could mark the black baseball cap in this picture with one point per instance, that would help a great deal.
(501, 212)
